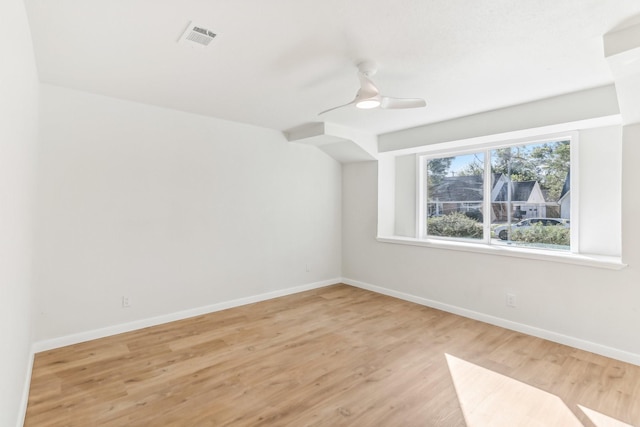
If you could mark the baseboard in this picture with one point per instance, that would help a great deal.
(171, 317)
(581, 344)
(25, 391)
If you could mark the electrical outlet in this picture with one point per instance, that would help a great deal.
(307, 267)
(511, 300)
(126, 302)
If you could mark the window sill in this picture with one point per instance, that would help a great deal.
(598, 261)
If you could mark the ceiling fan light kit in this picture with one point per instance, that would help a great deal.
(367, 104)
(368, 96)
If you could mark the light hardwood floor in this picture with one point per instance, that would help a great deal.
(336, 356)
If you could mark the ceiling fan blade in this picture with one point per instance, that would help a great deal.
(367, 90)
(396, 103)
(335, 108)
(368, 95)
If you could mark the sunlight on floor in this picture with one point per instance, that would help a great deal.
(601, 420)
(491, 399)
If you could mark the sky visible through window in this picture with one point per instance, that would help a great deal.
(529, 191)
(460, 161)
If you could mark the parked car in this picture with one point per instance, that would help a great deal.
(502, 231)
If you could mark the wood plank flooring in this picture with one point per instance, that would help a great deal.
(336, 356)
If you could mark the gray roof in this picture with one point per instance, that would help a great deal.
(469, 189)
(520, 191)
(457, 189)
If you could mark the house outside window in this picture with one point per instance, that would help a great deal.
(516, 195)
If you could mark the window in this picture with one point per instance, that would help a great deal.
(517, 195)
(589, 161)
(455, 196)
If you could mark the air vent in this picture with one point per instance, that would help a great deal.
(197, 35)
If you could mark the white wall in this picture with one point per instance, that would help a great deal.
(18, 126)
(174, 210)
(592, 305)
(600, 163)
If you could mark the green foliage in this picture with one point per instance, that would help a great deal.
(556, 157)
(454, 225)
(438, 168)
(546, 163)
(552, 235)
(515, 163)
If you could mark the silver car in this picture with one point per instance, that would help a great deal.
(502, 231)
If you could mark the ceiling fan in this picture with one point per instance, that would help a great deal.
(368, 96)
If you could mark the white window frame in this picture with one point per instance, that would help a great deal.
(485, 149)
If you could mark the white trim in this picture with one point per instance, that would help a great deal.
(574, 191)
(25, 391)
(581, 344)
(487, 214)
(421, 196)
(589, 260)
(165, 318)
(487, 143)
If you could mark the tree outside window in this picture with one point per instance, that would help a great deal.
(526, 181)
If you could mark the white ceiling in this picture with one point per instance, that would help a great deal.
(278, 63)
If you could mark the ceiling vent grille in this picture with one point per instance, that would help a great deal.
(197, 35)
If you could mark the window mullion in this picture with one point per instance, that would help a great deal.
(421, 206)
(486, 202)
